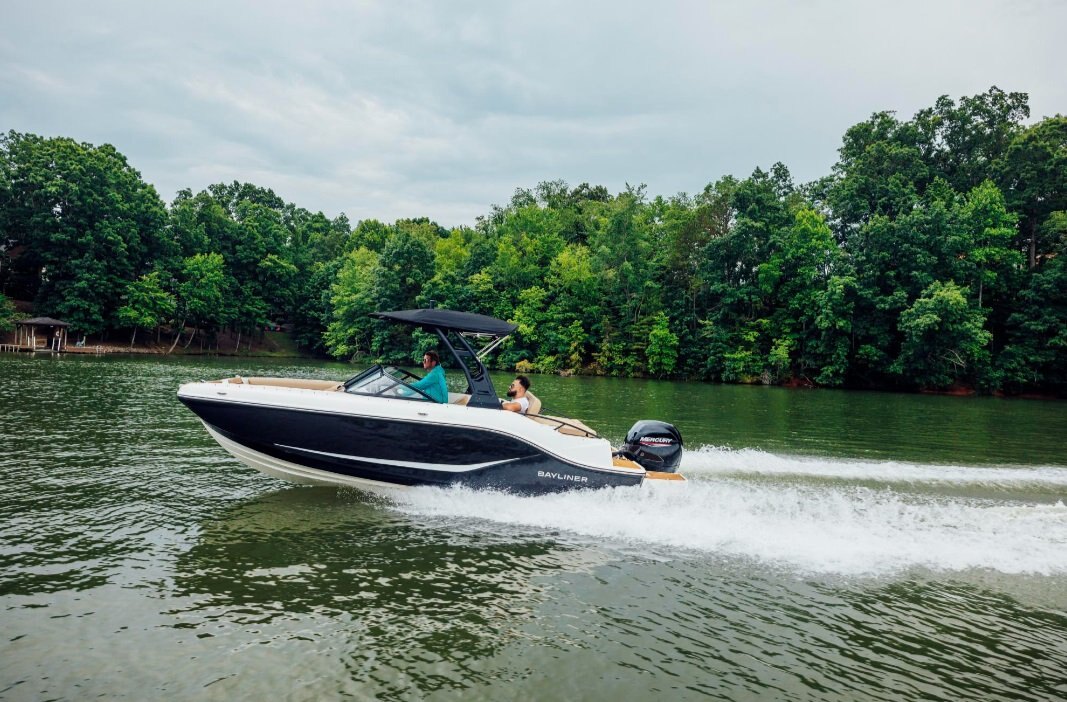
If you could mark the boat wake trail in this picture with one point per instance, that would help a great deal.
(716, 461)
(828, 527)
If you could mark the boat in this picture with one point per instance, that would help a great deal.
(376, 432)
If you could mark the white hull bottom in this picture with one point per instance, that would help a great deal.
(277, 468)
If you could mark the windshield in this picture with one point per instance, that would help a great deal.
(386, 381)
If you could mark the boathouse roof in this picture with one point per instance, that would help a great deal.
(43, 322)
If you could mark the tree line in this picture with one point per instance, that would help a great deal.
(932, 256)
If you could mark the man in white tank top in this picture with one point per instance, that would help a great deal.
(517, 392)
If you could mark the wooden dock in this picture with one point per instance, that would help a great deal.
(19, 348)
(16, 348)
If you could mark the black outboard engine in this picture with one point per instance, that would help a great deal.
(654, 445)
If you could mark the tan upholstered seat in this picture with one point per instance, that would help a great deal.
(564, 425)
(535, 404)
(298, 383)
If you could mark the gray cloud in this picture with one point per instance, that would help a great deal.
(391, 110)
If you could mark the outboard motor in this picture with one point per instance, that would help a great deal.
(654, 446)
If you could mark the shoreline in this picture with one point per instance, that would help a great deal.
(274, 344)
(112, 349)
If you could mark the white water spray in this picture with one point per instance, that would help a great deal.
(715, 461)
(831, 527)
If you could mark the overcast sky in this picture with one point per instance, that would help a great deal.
(441, 109)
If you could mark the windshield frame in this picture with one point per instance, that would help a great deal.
(393, 377)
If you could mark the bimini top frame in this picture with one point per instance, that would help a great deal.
(464, 325)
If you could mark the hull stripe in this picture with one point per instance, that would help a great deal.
(443, 467)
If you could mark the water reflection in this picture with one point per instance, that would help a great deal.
(948, 640)
(344, 562)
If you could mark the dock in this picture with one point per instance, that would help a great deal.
(16, 348)
(20, 348)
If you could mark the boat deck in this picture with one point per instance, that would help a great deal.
(620, 462)
(656, 475)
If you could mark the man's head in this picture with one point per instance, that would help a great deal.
(519, 386)
(430, 359)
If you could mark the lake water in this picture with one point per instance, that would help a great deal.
(829, 546)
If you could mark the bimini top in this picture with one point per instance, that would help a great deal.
(463, 322)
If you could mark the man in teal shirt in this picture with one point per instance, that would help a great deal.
(433, 383)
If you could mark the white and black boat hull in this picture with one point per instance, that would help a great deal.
(335, 438)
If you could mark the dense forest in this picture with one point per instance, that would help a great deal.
(933, 256)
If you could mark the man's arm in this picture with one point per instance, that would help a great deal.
(516, 406)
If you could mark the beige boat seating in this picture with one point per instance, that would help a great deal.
(454, 398)
(298, 383)
(564, 425)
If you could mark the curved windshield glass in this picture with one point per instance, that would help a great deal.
(386, 381)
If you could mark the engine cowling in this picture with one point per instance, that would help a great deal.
(654, 446)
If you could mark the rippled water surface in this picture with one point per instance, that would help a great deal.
(829, 546)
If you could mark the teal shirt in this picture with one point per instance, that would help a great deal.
(434, 385)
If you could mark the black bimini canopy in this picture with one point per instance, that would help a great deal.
(462, 322)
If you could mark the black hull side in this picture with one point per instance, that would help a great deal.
(398, 452)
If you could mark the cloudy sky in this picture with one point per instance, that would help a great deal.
(441, 109)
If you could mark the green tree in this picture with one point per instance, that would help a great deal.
(147, 304)
(574, 306)
(835, 305)
(944, 339)
(353, 297)
(1035, 357)
(662, 348)
(87, 221)
(737, 325)
(369, 234)
(271, 249)
(451, 255)
(8, 314)
(880, 171)
(232, 196)
(314, 308)
(201, 294)
(987, 256)
(1033, 173)
(531, 316)
(963, 141)
(621, 246)
(404, 265)
(880, 178)
(802, 259)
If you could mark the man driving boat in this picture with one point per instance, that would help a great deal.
(433, 383)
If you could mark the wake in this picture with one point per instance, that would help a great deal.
(722, 462)
(828, 527)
